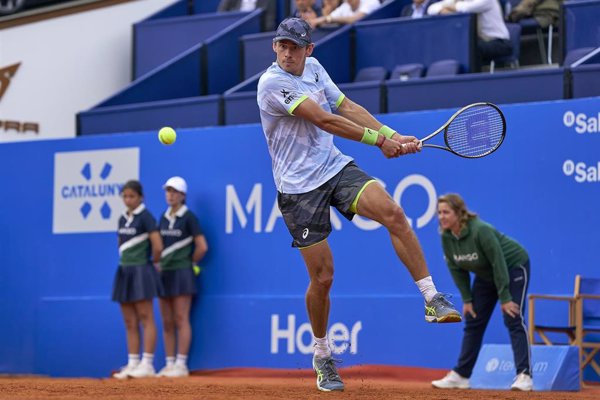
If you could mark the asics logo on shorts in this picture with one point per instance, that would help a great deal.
(304, 233)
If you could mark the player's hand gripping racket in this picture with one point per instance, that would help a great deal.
(473, 131)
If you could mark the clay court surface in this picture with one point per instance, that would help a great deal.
(363, 382)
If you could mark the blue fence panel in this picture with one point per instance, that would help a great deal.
(223, 54)
(158, 41)
(581, 26)
(585, 81)
(460, 90)
(250, 84)
(184, 113)
(333, 52)
(251, 309)
(241, 108)
(206, 6)
(177, 9)
(179, 78)
(439, 38)
(257, 53)
(367, 94)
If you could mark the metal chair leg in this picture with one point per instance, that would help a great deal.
(542, 45)
(550, 34)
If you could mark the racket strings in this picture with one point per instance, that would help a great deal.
(476, 131)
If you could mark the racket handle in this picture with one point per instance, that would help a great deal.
(419, 146)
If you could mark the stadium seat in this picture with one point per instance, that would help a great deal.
(407, 71)
(514, 31)
(583, 321)
(443, 68)
(371, 74)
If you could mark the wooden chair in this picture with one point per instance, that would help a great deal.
(583, 320)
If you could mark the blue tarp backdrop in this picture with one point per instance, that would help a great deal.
(59, 248)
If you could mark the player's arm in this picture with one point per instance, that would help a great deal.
(200, 248)
(462, 280)
(360, 116)
(341, 126)
(490, 245)
(157, 246)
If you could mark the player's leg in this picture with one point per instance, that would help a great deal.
(375, 203)
(168, 321)
(182, 306)
(145, 315)
(132, 332)
(319, 263)
(306, 216)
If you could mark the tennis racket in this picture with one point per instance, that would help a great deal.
(474, 131)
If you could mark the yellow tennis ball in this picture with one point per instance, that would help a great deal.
(167, 135)
(197, 270)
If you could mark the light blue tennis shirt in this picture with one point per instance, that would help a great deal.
(304, 156)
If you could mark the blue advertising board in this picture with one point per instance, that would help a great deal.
(59, 247)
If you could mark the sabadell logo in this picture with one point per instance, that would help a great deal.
(582, 172)
(581, 122)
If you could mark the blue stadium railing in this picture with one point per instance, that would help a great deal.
(342, 52)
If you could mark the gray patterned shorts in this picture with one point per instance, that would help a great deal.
(307, 214)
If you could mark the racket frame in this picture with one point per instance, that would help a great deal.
(452, 118)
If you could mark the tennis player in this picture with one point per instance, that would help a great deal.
(296, 97)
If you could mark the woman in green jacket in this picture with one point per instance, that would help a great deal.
(501, 269)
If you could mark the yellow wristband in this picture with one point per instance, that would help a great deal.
(369, 137)
(387, 131)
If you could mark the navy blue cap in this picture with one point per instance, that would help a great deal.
(295, 29)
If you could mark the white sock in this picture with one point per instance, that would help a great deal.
(181, 360)
(427, 288)
(170, 361)
(148, 358)
(322, 349)
(133, 360)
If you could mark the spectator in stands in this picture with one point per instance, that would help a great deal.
(137, 281)
(329, 6)
(417, 9)
(350, 11)
(184, 246)
(307, 10)
(546, 12)
(296, 98)
(494, 40)
(269, 7)
(501, 269)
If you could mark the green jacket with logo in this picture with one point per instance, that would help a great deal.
(489, 254)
